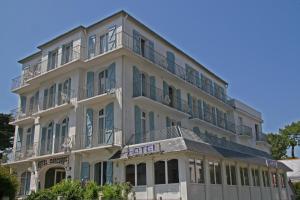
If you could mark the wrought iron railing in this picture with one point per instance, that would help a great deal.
(61, 98)
(21, 113)
(157, 94)
(109, 86)
(43, 66)
(244, 130)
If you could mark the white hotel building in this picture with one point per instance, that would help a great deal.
(116, 102)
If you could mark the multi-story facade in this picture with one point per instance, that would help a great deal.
(116, 102)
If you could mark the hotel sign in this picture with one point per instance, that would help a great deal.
(271, 163)
(50, 161)
(143, 150)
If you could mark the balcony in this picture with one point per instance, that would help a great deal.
(262, 138)
(106, 91)
(148, 94)
(44, 66)
(103, 139)
(22, 116)
(178, 71)
(245, 131)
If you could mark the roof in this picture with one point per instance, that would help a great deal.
(124, 13)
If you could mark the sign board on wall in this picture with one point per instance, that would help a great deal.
(141, 150)
(61, 160)
(271, 163)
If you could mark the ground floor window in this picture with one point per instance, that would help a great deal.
(163, 177)
(103, 172)
(136, 174)
(244, 176)
(274, 179)
(25, 183)
(266, 178)
(255, 177)
(215, 172)
(54, 176)
(282, 180)
(196, 171)
(231, 174)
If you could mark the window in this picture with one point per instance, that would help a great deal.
(282, 180)
(101, 126)
(130, 174)
(266, 178)
(102, 82)
(255, 177)
(143, 119)
(244, 176)
(19, 139)
(196, 171)
(274, 179)
(215, 173)
(103, 172)
(52, 59)
(25, 183)
(103, 43)
(92, 46)
(141, 174)
(231, 174)
(159, 172)
(67, 53)
(106, 79)
(29, 138)
(173, 171)
(136, 174)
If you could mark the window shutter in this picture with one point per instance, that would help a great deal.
(190, 103)
(43, 141)
(197, 77)
(178, 96)
(136, 42)
(138, 127)
(19, 139)
(50, 139)
(54, 95)
(90, 84)
(200, 113)
(36, 101)
(136, 82)
(213, 111)
(171, 62)
(112, 42)
(152, 87)
(32, 134)
(91, 47)
(85, 171)
(109, 172)
(69, 89)
(111, 78)
(49, 64)
(45, 100)
(151, 50)
(28, 140)
(109, 123)
(89, 127)
(165, 90)
(57, 146)
(23, 104)
(59, 95)
(151, 125)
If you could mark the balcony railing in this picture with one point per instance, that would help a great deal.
(103, 137)
(107, 87)
(155, 135)
(157, 94)
(19, 113)
(162, 62)
(24, 152)
(44, 66)
(63, 97)
(244, 130)
(262, 137)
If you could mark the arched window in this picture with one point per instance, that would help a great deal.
(160, 173)
(25, 183)
(64, 130)
(136, 174)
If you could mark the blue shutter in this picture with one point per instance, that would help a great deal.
(59, 95)
(165, 90)
(151, 50)
(151, 125)
(89, 127)
(190, 103)
(200, 113)
(213, 111)
(109, 123)
(197, 77)
(111, 77)
(136, 42)
(90, 84)
(50, 138)
(138, 126)
(152, 87)
(112, 42)
(69, 89)
(178, 96)
(109, 172)
(171, 62)
(136, 82)
(57, 136)
(19, 138)
(43, 141)
(85, 171)
(23, 104)
(91, 47)
(189, 78)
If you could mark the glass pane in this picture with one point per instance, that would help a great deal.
(141, 174)
(173, 171)
(130, 174)
(159, 172)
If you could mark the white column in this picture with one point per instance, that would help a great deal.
(279, 183)
(271, 184)
(261, 182)
(224, 178)
(250, 180)
(36, 139)
(206, 178)
(182, 167)
(150, 178)
(238, 179)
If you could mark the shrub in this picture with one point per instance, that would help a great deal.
(42, 195)
(297, 188)
(9, 183)
(70, 190)
(118, 191)
(91, 191)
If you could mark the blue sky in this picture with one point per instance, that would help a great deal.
(254, 45)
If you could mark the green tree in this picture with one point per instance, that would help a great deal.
(279, 146)
(8, 183)
(291, 131)
(6, 131)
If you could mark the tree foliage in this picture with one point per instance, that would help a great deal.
(279, 146)
(292, 131)
(8, 183)
(297, 190)
(6, 131)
